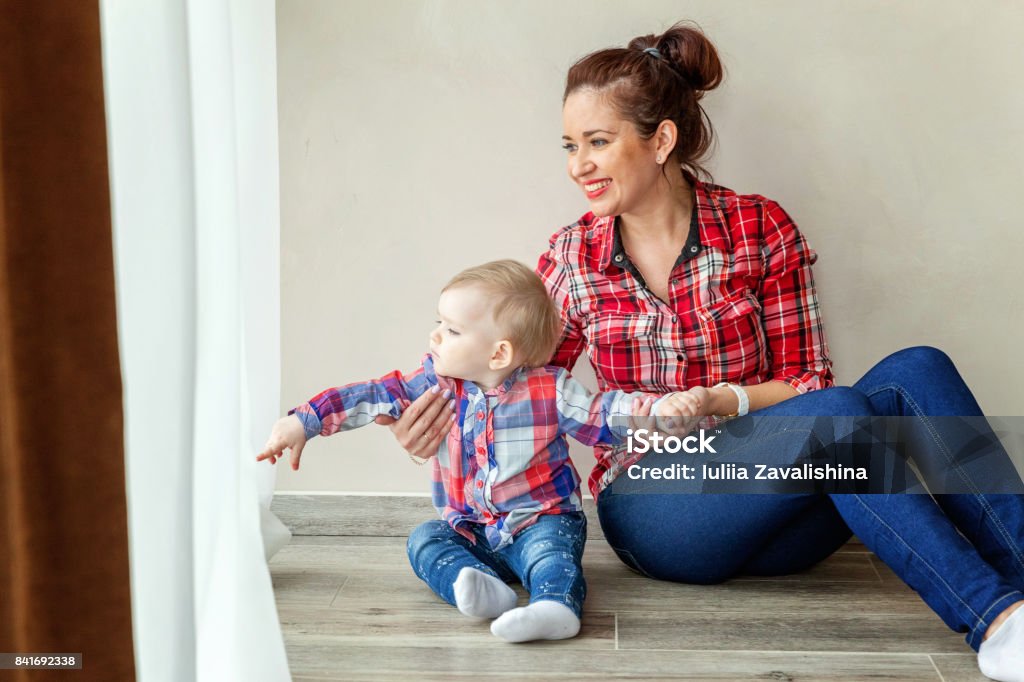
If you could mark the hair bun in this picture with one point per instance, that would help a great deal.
(691, 54)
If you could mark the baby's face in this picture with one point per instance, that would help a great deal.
(466, 335)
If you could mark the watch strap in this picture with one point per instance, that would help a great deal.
(743, 400)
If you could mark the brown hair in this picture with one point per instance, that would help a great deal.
(646, 89)
(522, 307)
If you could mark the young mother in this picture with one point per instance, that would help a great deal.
(670, 283)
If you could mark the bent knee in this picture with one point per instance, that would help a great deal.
(426, 533)
(843, 401)
(924, 357)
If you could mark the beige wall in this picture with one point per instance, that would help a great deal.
(421, 138)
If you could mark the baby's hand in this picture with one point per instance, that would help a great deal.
(682, 411)
(288, 432)
(640, 415)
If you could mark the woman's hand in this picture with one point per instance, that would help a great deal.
(289, 433)
(423, 424)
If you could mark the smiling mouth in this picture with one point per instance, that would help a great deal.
(595, 189)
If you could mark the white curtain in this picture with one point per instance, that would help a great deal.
(190, 89)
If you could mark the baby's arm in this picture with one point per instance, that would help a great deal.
(344, 408)
(594, 418)
(348, 407)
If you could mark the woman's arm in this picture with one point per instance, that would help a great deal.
(790, 313)
(724, 401)
(791, 319)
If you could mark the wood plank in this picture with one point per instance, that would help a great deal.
(436, 625)
(397, 589)
(628, 591)
(385, 515)
(846, 566)
(777, 630)
(348, 554)
(310, 586)
(624, 590)
(958, 667)
(378, 570)
(838, 568)
(322, 659)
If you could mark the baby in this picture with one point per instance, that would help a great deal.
(504, 485)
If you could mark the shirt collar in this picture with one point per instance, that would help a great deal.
(511, 381)
(706, 227)
(501, 389)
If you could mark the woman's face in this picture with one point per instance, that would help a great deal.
(607, 159)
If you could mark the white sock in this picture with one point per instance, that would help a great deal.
(1001, 656)
(540, 620)
(480, 595)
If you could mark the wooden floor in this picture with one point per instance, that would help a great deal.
(352, 609)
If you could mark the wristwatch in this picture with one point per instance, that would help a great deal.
(741, 395)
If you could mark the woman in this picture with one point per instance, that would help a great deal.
(669, 283)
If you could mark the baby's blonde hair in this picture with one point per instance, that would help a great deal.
(522, 307)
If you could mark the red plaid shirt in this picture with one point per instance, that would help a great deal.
(741, 306)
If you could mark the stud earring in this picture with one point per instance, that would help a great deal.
(659, 159)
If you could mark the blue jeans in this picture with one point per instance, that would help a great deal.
(545, 557)
(966, 579)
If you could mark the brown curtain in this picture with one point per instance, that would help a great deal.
(64, 584)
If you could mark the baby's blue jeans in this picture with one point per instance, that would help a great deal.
(545, 557)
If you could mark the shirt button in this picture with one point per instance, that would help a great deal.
(675, 280)
(679, 357)
(675, 318)
(479, 415)
(479, 451)
(479, 484)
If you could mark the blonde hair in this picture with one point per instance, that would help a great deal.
(522, 307)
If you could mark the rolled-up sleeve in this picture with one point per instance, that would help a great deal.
(789, 306)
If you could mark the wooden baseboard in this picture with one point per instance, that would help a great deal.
(379, 515)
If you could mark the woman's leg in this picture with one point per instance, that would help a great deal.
(466, 575)
(913, 535)
(928, 542)
(922, 382)
(710, 538)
